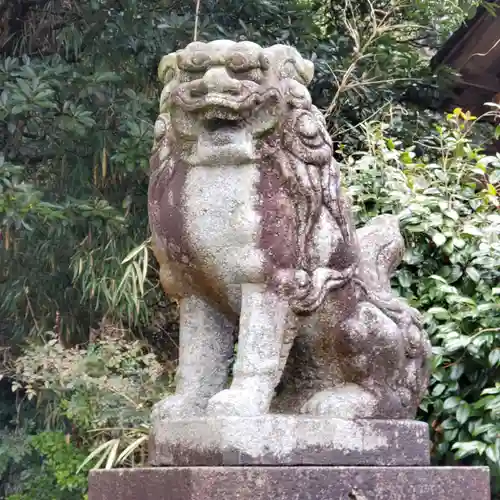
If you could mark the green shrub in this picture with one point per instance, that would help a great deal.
(105, 389)
(450, 216)
(47, 467)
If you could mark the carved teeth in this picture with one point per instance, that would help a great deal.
(217, 119)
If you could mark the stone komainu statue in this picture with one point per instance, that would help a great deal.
(253, 235)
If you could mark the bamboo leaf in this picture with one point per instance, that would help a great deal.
(112, 454)
(136, 251)
(140, 277)
(145, 263)
(95, 453)
(123, 281)
(131, 448)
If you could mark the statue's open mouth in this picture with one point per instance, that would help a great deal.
(216, 118)
(223, 137)
(215, 124)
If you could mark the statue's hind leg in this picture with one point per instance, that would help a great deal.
(264, 326)
(205, 351)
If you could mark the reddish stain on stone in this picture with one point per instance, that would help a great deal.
(278, 232)
(165, 206)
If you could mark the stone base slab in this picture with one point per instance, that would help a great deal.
(291, 483)
(288, 440)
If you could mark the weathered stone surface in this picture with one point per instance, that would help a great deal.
(252, 232)
(291, 483)
(288, 440)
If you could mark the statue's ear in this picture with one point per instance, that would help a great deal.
(167, 68)
(167, 74)
(288, 63)
(308, 71)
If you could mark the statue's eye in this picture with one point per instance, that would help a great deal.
(200, 61)
(195, 63)
(239, 63)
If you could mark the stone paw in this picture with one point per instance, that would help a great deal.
(347, 402)
(238, 403)
(177, 407)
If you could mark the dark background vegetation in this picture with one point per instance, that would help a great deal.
(87, 339)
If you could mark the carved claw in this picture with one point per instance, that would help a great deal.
(178, 406)
(238, 403)
(307, 291)
(348, 402)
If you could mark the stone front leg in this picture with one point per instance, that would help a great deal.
(258, 367)
(205, 351)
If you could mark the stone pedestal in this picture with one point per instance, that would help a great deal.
(288, 440)
(291, 483)
(289, 457)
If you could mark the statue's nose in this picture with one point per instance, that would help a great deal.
(218, 80)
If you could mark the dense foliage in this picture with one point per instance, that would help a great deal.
(49, 465)
(76, 109)
(87, 340)
(449, 211)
